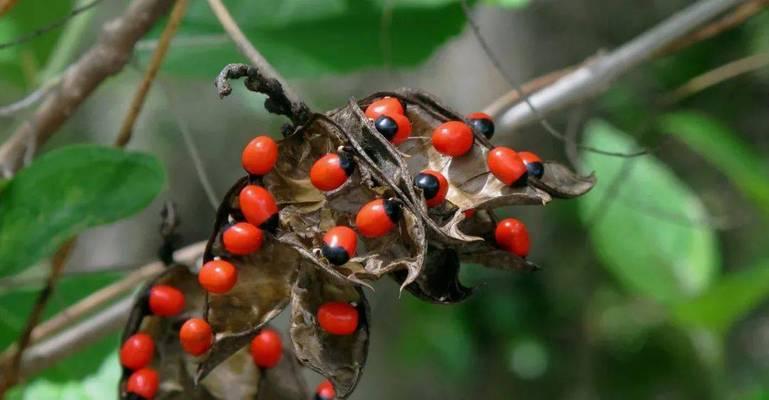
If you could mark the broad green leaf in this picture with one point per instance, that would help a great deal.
(339, 37)
(730, 299)
(746, 169)
(97, 385)
(67, 191)
(649, 234)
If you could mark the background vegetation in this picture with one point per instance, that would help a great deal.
(654, 285)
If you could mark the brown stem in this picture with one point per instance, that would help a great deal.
(11, 376)
(729, 21)
(126, 129)
(105, 58)
(89, 304)
(51, 347)
(262, 77)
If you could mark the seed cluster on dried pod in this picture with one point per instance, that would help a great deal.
(394, 185)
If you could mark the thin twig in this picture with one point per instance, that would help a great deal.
(192, 148)
(504, 102)
(262, 76)
(11, 375)
(54, 348)
(105, 58)
(28, 100)
(89, 304)
(126, 129)
(45, 29)
(592, 79)
(736, 17)
(716, 76)
(525, 96)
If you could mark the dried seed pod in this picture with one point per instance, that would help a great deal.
(422, 251)
(340, 358)
(439, 280)
(235, 378)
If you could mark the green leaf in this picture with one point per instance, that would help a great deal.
(308, 38)
(97, 385)
(729, 300)
(15, 305)
(71, 371)
(649, 235)
(508, 3)
(746, 169)
(67, 191)
(21, 61)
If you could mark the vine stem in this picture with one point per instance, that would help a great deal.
(52, 347)
(595, 77)
(11, 375)
(126, 129)
(260, 67)
(105, 58)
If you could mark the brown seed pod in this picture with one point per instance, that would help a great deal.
(235, 378)
(423, 252)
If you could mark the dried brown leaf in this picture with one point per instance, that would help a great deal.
(339, 358)
(561, 182)
(439, 280)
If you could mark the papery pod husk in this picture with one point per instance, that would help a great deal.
(339, 358)
(485, 252)
(262, 290)
(470, 184)
(176, 369)
(439, 281)
(283, 381)
(306, 213)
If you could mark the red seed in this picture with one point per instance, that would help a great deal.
(144, 383)
(330, 171)
(325, 391)
(339, 244)
(385, 105)
(506, 165)
(242, 239)
(267, 348)
(377, 218)
(166, 301)
(338, 318)
(511, 235)
(259, 155)
(218, 276)
(434, 186)
(137, 351)
(196, 336)
(453, 138)
(257, 205)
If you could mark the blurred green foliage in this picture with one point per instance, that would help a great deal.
(15, 304)
(649, 230)
(309, 38)
(723, 148)
(67, 191)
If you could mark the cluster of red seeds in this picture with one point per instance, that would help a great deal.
(137, 351)
(375, 219)
(452, 138)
